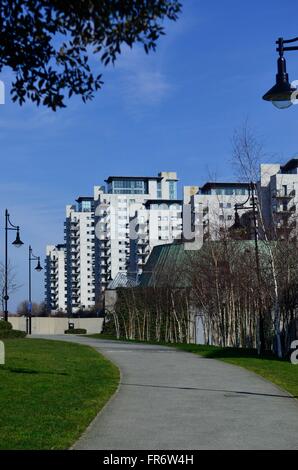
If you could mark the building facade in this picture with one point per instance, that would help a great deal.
(121, 216)
(113, 232)
(159, 222)
(103, 238)
(278, 189)
(80, 255)
(211, 208)
(55, 278)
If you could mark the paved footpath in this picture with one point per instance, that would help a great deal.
(170, 399)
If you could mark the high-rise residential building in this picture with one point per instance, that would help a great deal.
(80, 255)
(113, 232)
(55, 278)
(103, 237)
(158, 222)
(212, 208)
(278, 192)
(118, 215)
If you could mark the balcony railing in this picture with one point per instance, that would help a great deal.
(282, 194)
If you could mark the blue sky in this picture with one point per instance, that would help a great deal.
(175, 110)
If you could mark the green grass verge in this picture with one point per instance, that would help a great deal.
(50, 391)
(282, 373)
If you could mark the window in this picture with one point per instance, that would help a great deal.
(225, 205)
(127, 186)
(159, 192)
(241, 191)
(86, 206)
(172, 189)
(229, 192)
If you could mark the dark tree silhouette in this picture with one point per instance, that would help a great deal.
(48, 43)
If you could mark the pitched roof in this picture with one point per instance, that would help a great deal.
(121, 280)
(166, 262)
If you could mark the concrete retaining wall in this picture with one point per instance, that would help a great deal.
(57, 326)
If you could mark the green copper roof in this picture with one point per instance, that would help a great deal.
(167, 262)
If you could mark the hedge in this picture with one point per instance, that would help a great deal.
(5, 325)
(12, 334)
(76, 331)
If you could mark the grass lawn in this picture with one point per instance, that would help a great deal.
(50, 391)
(282, 373)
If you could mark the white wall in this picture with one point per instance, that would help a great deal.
(57, 326)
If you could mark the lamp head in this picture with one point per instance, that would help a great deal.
(281, 94)
(18, 242)
(38, 267)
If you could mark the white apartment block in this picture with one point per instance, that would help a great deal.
(80, 255)
(212, 208)
(120, 208)
(278, 192)
(55, 278)
(159, 222)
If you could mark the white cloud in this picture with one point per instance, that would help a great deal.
(143, 87)
(143, 84)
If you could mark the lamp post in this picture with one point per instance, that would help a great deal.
(38, 268)
(17, 243)
(282, 95)
(252, 198)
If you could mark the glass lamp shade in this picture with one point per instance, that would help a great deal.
(282, 104)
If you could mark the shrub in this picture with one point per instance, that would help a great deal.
(5, 325)
(12, 334)
(76, 331)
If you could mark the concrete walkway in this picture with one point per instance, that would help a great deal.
(170, 399)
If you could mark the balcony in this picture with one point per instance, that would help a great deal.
(143, 253)
(141, 262)
(282, 194)
(284, 209)
(105, 246)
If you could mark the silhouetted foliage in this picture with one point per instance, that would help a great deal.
(38, 310)
(48, 43)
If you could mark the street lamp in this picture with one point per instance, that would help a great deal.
(38, 268)
(17, 243)
(282, 95)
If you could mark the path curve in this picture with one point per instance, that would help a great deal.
(169, 399)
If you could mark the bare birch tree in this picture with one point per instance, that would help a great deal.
(12, 284)
(247, 154)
